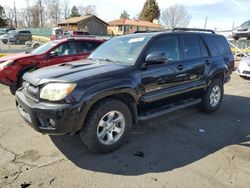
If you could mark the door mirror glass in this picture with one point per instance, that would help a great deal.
(156, 58)
(53, 54)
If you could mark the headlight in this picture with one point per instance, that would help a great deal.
(6, 63)
(56, 91)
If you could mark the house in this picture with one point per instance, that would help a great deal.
(90, 23)
(128, 26)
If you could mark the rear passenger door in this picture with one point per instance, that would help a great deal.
(196, 57)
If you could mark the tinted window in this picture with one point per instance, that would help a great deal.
(25, 32)
(168, 45)
(68, 48)
(86, 46)
(204, 50)
(191, 47)
(218, 45)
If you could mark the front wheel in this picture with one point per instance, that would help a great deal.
(107, 126)
(212, 99)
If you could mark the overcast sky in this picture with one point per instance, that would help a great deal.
(221, 13)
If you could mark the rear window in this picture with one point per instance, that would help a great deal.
(218, 45)
(25, 32)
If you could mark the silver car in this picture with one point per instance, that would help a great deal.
(242, 31)
(17, 36)
(244, 67)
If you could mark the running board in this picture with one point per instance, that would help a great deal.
(152, 115)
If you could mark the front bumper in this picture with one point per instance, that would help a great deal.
(67, 117)
(241, 34)
(243, 70)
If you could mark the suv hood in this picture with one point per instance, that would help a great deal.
(14, 57)
(71, 72)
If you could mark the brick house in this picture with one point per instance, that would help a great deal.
(129, 26)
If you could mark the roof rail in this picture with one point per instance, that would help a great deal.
(148, 31)
(192, 29)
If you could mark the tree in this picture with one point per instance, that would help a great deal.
(125, 15)
(3, 20)
(150, 11)
(74, 12)
(53, 11)
(87, 10)
(175, 16)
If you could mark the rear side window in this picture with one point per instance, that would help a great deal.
(169, 45)
(86, 46)
(218, 45)
(191, 47)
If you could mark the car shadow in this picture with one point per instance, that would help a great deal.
(168, 142)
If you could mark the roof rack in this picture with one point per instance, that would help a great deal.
(192, 29)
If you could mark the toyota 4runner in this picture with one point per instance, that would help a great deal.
(127, 79)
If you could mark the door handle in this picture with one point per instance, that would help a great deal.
(180, 67)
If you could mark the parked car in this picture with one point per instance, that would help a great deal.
(244, 67)
(12, 67)
(5, 30)
(128, 79)
(17, 36)
(242, 31)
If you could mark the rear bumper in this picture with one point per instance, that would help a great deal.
(66, 117)
(243, 70)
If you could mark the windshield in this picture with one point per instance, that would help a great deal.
(44, 48)
(124, 49)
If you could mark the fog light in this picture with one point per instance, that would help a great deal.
(52, 122)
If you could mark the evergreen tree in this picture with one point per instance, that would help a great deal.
(150, 11)
(3, 20)
(125, 15)
(74, 12)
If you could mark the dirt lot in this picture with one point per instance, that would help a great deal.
(183, 149)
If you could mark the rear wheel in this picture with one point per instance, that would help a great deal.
(107, 126)
(213, 96)
(235, 38)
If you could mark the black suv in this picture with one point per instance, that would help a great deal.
(127, 79)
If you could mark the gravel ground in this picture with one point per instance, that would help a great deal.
(183, 149)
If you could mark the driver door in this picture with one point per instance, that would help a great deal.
(65, 52)
(165, 79)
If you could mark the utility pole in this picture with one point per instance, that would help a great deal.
(205, 25)
(15, 14)
(41, 13)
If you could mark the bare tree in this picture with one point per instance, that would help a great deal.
(175, 16)
(65, 7)
(87, 10)
(10, 16)
(53, 11)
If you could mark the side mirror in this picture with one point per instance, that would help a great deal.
(156, 58)
(53, 54)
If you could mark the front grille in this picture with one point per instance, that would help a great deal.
(246, 72)
(30, 90)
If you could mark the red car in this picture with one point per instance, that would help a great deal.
(13, 67)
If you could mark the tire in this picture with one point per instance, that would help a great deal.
(210, 100)
(96, 124)
(236, 38)
(17, 41)
(13, 90)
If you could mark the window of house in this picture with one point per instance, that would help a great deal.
(119, 28)
(126, 28)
